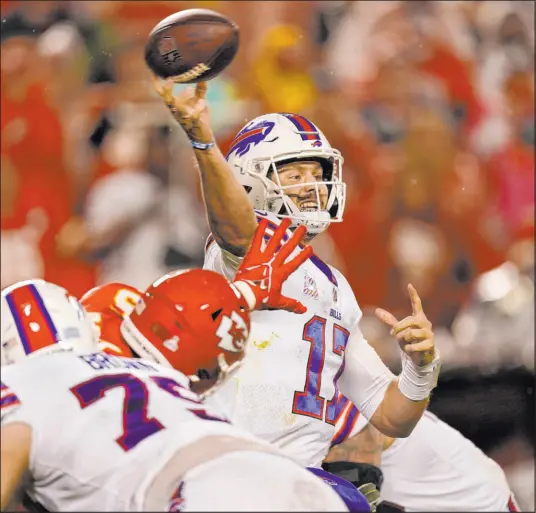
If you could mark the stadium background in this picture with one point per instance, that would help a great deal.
(431, 104)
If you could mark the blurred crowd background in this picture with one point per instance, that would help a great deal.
(431, 104)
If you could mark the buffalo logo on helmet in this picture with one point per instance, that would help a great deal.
(249, 137)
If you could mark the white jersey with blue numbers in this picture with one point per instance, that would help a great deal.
(285, 391)
(102, 426)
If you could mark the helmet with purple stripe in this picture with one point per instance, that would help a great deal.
(39, 317)
(271, 141)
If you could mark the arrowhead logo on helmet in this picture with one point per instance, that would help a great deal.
(233, 333)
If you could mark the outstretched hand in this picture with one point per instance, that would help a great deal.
(414, 333)
(266, 271)
(189, 108)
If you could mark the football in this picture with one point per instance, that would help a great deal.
(192, 46)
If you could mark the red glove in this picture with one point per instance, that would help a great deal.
(262, 273)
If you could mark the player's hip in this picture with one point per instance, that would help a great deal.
(188, 461)
(255, 481)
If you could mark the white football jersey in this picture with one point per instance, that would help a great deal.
(285, 392)
(102, 426)
(435, 469)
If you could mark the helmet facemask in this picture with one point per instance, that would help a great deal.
(277, 200)
(206, 383)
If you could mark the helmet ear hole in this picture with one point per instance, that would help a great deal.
(203, 374)
(216, 314)
(160, 331)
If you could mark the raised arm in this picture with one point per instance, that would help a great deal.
(230, 213)
(394, 404)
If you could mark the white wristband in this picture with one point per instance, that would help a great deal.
(416, 382)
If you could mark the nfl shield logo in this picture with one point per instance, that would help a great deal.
(166, 45)
(335, 295)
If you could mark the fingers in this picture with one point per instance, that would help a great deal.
(419, 347)
(416, 303)
(201, 90)
(289, 267)
(277, 237)
(291, 305)
(411, 322)
(409, 335)
(385, 316)
(258, 237)
(290, 245)
(158, 85)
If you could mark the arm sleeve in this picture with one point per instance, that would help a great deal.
(365, 377)
(219, 260)
(223, 262)
(10, 403)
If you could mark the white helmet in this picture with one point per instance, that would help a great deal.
(281, 138)
(39, 317)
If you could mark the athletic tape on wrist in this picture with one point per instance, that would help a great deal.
(416, 382)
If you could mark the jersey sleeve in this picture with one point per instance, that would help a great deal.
(348, 424)
(365, 377)
(9, 402)
(219, 260)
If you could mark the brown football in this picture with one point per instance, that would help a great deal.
(192, 46)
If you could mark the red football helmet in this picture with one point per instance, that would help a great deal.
(194, 321)
(107, 305)
(115, 299)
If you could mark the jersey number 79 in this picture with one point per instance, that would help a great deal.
(137, 425)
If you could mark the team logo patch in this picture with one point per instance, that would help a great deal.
(249, 137)
(309, 287)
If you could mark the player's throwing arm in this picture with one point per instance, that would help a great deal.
(230, 214)
(393, 404)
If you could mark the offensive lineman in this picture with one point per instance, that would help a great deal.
(62, 405)
(111, 306)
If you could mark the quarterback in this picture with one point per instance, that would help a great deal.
(281, 166)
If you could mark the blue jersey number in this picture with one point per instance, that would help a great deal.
(309, 402)
(137, 425)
